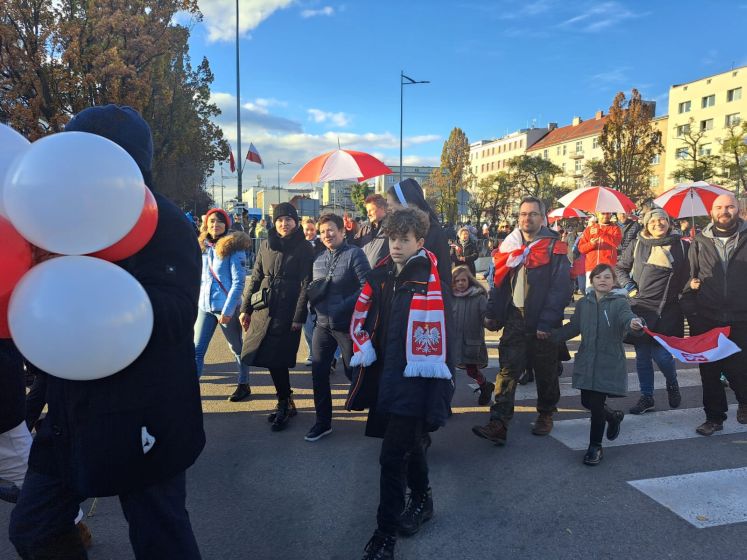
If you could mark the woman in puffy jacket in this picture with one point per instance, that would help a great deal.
(221, 287)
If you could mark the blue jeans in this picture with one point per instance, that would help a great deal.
(204, 330)
(42, 523)
(645, 352)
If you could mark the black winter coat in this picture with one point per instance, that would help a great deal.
(382, 386)
(549, 290)
(468, 251)
(721, 297)
(374, 243)
(12, 386)
(438, 244)
(659, 287)
(91, 436)
(283, 266)
(347, 278)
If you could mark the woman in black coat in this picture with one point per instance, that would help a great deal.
(282, 272)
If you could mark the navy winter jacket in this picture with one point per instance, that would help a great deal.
(348, 276)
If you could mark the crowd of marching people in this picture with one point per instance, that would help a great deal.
(398, 302)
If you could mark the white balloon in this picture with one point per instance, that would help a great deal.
(74, 193)
(80, 318)
(12, 145)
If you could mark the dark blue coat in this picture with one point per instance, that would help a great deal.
(351, 267)
(382, 386)
(91, 436)
(549, 290)
(12, 386)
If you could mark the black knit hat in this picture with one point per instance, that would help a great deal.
(123, 126)
(285, 209)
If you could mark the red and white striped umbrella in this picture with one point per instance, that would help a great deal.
(687, 200)
(340, 164)
(564, 213)
(598, 199)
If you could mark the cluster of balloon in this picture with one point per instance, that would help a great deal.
(71, 205)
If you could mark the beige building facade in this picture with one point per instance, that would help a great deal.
(487, 157)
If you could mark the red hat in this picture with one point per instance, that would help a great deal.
(223, 213)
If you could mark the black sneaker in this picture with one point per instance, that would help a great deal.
(292, 411)
(673, 392)
(593, 455)
(380, 547)
(317, 432)
(242, 391)
(418, 510)
(486, 393)
(614, 418)
(285, 409)
(644, 404)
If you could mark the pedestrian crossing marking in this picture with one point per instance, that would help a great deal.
(666, 425)
(703, 499)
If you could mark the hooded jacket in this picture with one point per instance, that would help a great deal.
(604, 251)
(722, 271)
(374, 243)
(226, 259)
(600, 360)
(548, 289)
(469, 333)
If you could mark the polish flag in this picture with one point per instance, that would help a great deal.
(711, 346)
(231, 161)
(253, 155)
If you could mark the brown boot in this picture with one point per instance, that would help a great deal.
(742, 414)
(543, 424)
(85, 535)
(494, 431)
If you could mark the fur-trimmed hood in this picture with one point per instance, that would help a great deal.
(228, 244)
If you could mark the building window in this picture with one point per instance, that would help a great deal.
(579, 147)
(684, 107)
(656, 159)
(521, 143)
(565, 149)
(482, 168)
(733, 119)
(734, 94)
(557, 152)
(563, 166)
(706, 125)
(653, 181)
(595, 143)
(683, 129)
(704, 150)
(708, 101)
(681, 153)
(577, 167)
(544, 154)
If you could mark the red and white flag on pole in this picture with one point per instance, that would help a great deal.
(231, 161)
(253, 155)
(710, 346)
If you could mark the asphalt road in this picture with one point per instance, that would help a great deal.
(254, 494)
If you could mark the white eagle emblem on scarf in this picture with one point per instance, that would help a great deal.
(426, 340)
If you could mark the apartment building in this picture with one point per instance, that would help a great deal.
(711, 105)
(421, 173)
(487, 157)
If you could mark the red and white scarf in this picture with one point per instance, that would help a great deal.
(513, 253)
(426, 329)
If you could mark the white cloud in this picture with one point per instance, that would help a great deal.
(431, 161)
(600, 16)
(325, 11)
(255, 114)
(220, 16)
(319, 116)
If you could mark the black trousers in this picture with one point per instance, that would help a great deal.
(734, 368)
(403, 464)
(595, 402)
(281, 380)
(516, 347)
(324, 343)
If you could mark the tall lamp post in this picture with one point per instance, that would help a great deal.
(238, 107)
(404, 81)
(279, 164)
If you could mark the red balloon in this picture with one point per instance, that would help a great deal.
(139, 235)
(15, 261)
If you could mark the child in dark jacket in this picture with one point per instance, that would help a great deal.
(402, 374)
(602, 318)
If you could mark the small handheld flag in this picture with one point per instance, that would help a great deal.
(710, 346)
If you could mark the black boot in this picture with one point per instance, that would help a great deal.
(418, 510)
(242, 391)
(380, 547)
(614, 418)
(593, 455)
(285, 409)
(486, 393)
(292, 411)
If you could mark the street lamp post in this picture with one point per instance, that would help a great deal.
(279, 164)
(238, 106)
(402, 84)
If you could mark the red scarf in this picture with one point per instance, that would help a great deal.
(426, 329)
(513, 252)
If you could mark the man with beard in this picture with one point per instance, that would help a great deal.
(718, 271)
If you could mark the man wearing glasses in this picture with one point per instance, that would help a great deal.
(532, 285)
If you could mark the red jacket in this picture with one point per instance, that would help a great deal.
(604, 249)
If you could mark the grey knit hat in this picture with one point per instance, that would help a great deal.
(655, 214)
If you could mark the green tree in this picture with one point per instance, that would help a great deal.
(696, 163)
(595, 172)
(454, 173)
(535, 176)
(494, 196)
(733, 156)
(629, 142)
(56, 59)
(358, 194)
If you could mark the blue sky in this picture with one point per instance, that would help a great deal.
(315, 71)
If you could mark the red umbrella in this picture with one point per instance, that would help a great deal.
(340, 164)
(598, 199)
(688, 200)
(565, 213)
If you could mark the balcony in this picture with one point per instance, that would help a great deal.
(576, 155)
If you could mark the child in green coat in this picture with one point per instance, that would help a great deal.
(602, 318)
